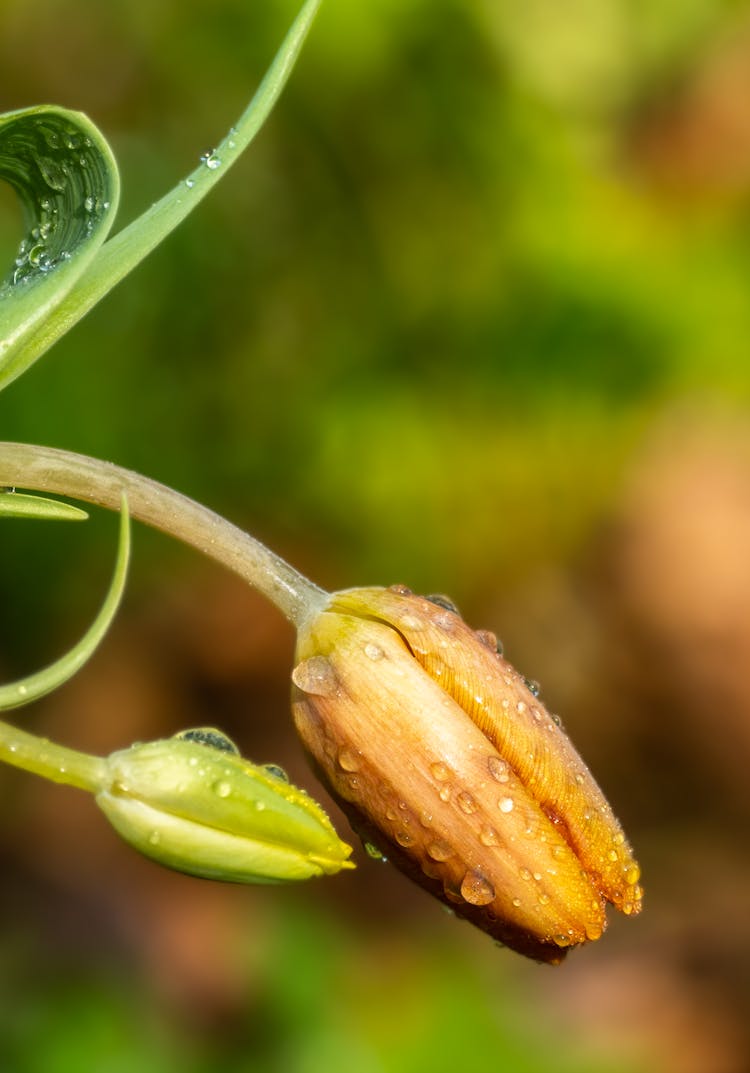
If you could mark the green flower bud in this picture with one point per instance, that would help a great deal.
(194, 804)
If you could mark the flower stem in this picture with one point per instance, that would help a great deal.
(48, 469)
(54, 762)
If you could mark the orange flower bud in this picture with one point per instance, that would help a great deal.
(444, 758)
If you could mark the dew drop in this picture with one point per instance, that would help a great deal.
(505, 804)
(210, 737)
(632, 874)
(190, 183)
(488, 639)
(593, 930)
(348, 760)
(439, 851)
(562, 939)
(315, 676)
(404, 837)
(211, 160)
(517, 903)
(525, 874)
(276, 772)
(445, 793)
(488, 837)
(442, 601)
(476, 889)
(374, 652)
(373, 852)
(533, 687)
(411, 622)
(441, 772)
(466, 803)
(154, 838)
(222, 789)
(613, 855)
(260, 806)
(498, 769)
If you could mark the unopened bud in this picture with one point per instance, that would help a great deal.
(194, 804)
(445, 759)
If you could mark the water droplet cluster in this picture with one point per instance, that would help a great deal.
(63, 180)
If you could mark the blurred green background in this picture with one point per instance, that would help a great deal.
(472, 315)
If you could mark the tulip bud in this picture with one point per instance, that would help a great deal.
(444, 758)
(194, 804)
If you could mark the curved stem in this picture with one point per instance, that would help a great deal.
(48, 469)
(54, 762)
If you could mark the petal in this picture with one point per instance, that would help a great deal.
(498, 700)
(411, 768)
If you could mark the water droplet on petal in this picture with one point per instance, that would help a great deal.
(505, 804)
(443, 601)
(498, 769)
(211, 160)
(439, 851)
(441, 772)
(404, 837)
(316, 676)
(533, 687)
(348, 760)
(374, 652)
(632, 874)
(476, 889)
(154, 838)
(466, 803)
(222, 789)
(488, 836)
(593, 930)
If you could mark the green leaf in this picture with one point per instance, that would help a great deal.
(38, 685)
(18, 505)
(60, 291)
(66, 178)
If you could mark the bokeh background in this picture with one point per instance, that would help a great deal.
(472, 315)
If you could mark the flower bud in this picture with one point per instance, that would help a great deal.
(444, 758)
(194, 804)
